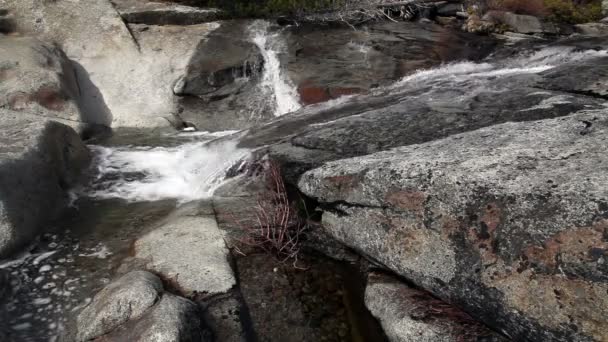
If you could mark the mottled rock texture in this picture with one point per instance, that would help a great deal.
(507, 222)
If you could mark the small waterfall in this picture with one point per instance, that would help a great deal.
(274, 82)
(186, 172)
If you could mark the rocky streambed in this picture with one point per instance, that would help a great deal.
(443, 186)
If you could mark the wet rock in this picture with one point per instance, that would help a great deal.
(449, 9)
(507, 221)
(224, 58)
(219, 87)
(276, 313)
(368, 124)
(40, 161)
(579, 77)
(187, 249)
(128, 298)
(164, 13)
(408, 314)
(225, 315)
(37, 78)
(328, 62)
(7, 24)
(592, 29)
(520, 23)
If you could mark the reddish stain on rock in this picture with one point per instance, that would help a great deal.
(573, 245)
(407, 200)
(312, 95)
(49, 98)
(344, 183)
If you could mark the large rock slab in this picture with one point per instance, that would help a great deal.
(328, 62)
(122, 79)
(505, 221)
(581, 77)
(40, 160)
(411, 315)
(366, 125)
(188, 250)
(38, 78)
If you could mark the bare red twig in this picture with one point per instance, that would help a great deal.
(276, 227)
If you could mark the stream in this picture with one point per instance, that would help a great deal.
(141, 176)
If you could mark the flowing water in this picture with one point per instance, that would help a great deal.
(138, 182)
(274, 83)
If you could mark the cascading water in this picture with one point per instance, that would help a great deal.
(187, 172)
(527, 63)
(274, 82)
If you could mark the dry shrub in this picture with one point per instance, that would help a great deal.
(530, 7)
(276, 225)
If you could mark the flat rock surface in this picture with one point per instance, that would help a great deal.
(507, 221)
(586, 77)
(188, 250)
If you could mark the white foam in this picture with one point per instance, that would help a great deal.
(550, 102)
(42, 257)
(530, 63)
(187, 172)
(285, 94)
(100, 251)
